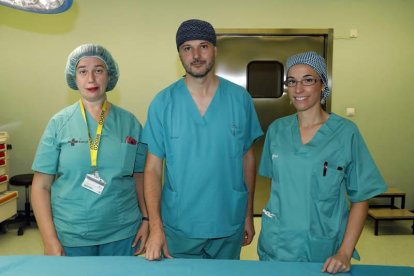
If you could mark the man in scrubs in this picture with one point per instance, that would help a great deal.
(201, 128)
(317, 162)
(87, 191)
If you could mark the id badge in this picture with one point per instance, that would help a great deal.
(94, 183)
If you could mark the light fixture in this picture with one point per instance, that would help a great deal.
(38, 6)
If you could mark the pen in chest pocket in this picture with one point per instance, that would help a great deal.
(325, 168)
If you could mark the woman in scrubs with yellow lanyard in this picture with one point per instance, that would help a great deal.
(87, 191)
(317, 162)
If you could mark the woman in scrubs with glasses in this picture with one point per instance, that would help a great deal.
(319, 165)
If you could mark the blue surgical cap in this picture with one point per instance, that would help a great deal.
(317, 62)
(91, 50)
(195, 29)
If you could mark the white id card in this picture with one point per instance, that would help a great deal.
(94, 183)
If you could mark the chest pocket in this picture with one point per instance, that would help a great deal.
(127, 155)
(326, 181)
(237, 140)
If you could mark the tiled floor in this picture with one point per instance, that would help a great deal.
(394, 245)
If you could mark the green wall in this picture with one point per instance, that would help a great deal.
(372, 73)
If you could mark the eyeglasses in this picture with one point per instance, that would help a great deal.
(304, 82)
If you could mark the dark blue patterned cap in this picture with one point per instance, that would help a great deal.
(317, 62)
(195, 29)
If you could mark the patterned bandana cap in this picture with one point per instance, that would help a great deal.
(317, 63)
(91, 50)
(195, 29)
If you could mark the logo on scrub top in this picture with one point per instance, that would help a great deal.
(74, 141)
(274, 156)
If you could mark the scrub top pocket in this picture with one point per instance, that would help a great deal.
(321, 248)
(141, 157)
(239, 202)
(170, 208)
(326, 205)
(237, 140)
(326, 182)
(269, 236)
(127, 158)
(62, 218)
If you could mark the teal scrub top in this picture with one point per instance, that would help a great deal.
(204, 193)
(82, 217)
(306, 215)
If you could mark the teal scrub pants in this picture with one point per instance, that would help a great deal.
(116, 248)
(217, 248)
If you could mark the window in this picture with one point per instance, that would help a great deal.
(265, 79)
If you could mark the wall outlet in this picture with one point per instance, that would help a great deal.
(353, 33)
(350, 111)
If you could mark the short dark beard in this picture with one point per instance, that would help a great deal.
(199, 76)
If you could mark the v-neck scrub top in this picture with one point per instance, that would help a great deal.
(204, 193)
(307, 212)
(82, 217)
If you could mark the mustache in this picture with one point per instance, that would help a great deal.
(197, 61)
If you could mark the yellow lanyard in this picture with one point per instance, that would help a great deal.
(94, 144)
